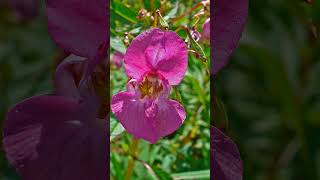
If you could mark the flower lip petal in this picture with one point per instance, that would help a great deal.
(131, 114)
(79, 27)
(229, 19)
(149, 120)
(160, 51)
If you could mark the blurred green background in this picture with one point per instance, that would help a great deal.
(185, 153)
(271, 91)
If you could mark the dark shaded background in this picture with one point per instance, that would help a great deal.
(270, 92)
(26, 62)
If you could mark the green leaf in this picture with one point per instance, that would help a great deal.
(156, 4)
(123, 11)
(196, 46)
(203, 174)
(172, 13)
(161, 174)
(115, 128)
(162, 21)
(117, 45)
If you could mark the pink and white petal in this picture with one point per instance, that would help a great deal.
(131, 114)
(79, 26)
(169, 118)
(229, 18)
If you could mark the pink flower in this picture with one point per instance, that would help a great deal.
(155, 60)
(195, 34)
(205, 34)
(117, 59)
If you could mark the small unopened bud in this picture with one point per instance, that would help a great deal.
(126, 38)
(142, 14)
(163, 22)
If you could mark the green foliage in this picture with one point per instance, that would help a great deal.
(185, 152)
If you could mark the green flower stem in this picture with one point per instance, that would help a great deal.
(177, 94)
(134, 152)
(187, 13)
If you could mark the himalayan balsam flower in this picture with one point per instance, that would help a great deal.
(155, 60)
(117, 59)
(229, 18)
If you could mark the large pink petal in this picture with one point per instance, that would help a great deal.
(226, 162)
(157, 50)
(147, 120)
(79, 26)
(131, 114)
(229, 18)
(46, 137)
(169, 118)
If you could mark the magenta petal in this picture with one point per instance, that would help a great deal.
(117, 59)
(229, 18)
(148, 120)
(169, 118)
(46, 137)
(157, 50)
(205, 34)
(131, 114)
(79, 26)
(226, 162)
